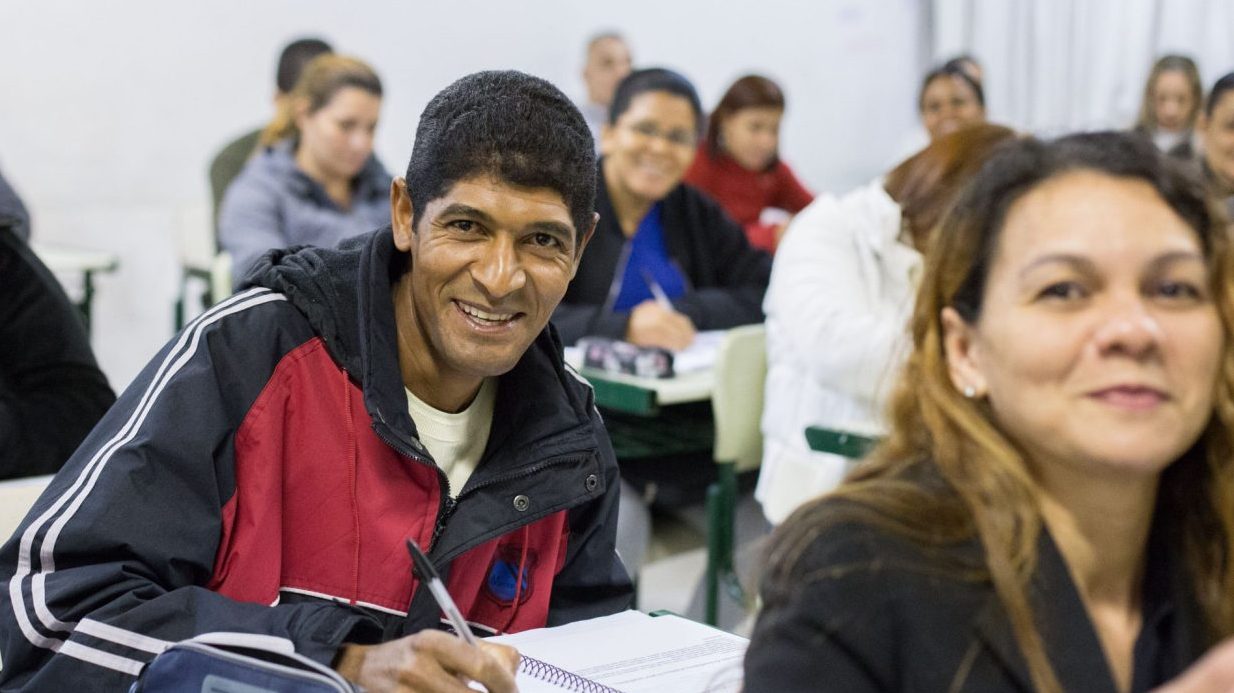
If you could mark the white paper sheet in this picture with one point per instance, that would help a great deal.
(633, 652)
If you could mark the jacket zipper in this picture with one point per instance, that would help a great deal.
(449, 504)
(528, 471)
(446, 507)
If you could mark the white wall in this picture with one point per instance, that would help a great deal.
(1055, 66)
(111, 111)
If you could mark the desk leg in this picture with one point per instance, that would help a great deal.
(721, 501)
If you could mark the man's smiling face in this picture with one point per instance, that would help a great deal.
(490, 262)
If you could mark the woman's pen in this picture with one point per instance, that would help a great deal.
(657, 291)
(423, 569)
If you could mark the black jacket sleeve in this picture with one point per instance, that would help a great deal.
(51, 390)
(729, 275)
(827, 625)
(111, 564)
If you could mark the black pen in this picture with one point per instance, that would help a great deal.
(423, 569)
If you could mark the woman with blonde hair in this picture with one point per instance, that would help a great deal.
(315, 181)
(1171, 105)
(1054, 506)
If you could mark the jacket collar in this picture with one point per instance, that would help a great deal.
(1070, 640)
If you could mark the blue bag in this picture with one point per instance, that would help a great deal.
(237, 663)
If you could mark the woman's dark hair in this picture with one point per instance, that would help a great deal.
(751, 91)
(512, 126)
(953, 72)
(654, 79)
(1220, 87)
(947, 459)
(964, 62)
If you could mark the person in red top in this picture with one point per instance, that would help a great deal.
(739, 163)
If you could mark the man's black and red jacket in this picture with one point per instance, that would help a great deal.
(262, 473)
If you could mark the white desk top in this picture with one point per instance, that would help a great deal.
(679, 389)
(690, 387)
(60, 258)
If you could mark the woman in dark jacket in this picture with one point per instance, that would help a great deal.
(1054, 507)
(665, 260)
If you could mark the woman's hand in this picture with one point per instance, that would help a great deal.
(654, 325)
(431, 660)
(1214, 673)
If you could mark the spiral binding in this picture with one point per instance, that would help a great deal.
(548, 673)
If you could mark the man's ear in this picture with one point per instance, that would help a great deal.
(963, 354)
(401, 214)
(583, 241)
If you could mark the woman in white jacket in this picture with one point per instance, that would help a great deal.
(842, 288)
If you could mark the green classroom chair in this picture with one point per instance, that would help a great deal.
(737, 407)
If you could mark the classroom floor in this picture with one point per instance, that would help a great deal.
(672, 577)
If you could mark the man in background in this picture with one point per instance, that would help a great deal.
(231, 158)
(608, 62)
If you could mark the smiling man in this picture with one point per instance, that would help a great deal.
(264, 471)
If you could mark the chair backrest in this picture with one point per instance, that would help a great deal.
(220, 276)
(17, 496)
(196, 243)
(737, 400)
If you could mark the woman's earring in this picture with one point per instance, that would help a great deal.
(969, 391)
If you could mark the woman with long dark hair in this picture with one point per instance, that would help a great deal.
(1053, 508)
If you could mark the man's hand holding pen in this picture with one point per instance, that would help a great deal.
(431, 660)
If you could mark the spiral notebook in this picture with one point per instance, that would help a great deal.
(629, 652)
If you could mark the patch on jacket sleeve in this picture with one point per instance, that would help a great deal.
(503, 575)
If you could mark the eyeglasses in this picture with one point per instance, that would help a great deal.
(678, 137)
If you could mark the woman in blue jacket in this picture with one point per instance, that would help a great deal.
(316, 181)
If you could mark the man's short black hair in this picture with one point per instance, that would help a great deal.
(294, 57)
(509, 125)
(655, 79)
